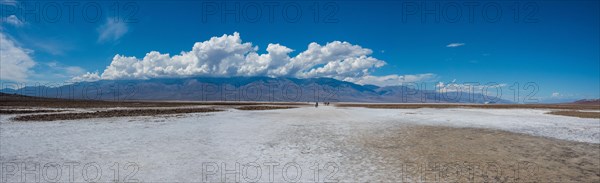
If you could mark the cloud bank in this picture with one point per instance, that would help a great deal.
(229, 56)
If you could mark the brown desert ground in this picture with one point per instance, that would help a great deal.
(444, 154)
(569, 109)
(14, 101)
(27, 111)
(111, 113)
(577, 114)
(263, 107)
(482, 106)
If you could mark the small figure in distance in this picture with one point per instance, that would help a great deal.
(316, 104)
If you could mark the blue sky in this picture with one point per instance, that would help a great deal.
(552, 43)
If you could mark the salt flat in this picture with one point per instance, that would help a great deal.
(345, 144)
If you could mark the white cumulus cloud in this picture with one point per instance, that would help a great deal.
(393, 79)
(469, 87)
(87, 77)
(8, 2)
(454, 45)
(13, 20)
(112, 30)
(15, 62)
(228, 56)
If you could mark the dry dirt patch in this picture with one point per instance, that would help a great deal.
(577, 114)
(481, 106)
(12, 111)
(444, 154)
(111, 113)
(263, 107)
(13, 101)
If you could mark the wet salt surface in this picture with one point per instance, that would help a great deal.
(185, 147)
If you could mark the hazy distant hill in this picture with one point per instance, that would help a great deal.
(247, 89)
(588, 102)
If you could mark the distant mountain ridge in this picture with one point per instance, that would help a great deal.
(588, 102)
(249, 89)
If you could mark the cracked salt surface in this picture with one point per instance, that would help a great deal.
(184, 147)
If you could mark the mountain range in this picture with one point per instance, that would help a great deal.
(249, 89)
